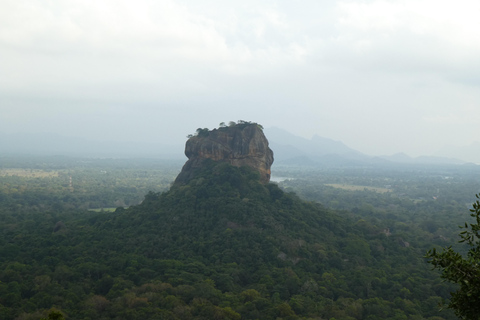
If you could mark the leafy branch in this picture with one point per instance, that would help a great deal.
(464, 271)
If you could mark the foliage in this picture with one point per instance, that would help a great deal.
(424, 206)
(465, 271)
(204, 132)
(223, 246)
(67, 183)
(54, 315)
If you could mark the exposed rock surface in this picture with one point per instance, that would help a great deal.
(238, 145)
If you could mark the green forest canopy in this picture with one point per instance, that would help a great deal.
(223, 246)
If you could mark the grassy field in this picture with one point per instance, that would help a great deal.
(28, 173)
(351, 187)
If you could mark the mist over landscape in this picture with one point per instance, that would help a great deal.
(288, 149)
(239, 160)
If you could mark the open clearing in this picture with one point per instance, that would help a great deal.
(28, 173)
(358, 188)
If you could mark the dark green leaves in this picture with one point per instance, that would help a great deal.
(465, 271)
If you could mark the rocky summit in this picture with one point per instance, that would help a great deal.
(242, 144)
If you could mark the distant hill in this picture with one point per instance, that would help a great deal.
(319, 151)
(288, 150)
(469, 153)
(291, 149)
(317, 146)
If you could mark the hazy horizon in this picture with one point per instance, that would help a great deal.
(383, 77)
(284, 144)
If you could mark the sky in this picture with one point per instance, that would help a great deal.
(381, 76)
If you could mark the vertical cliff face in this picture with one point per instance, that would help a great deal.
(238, 145)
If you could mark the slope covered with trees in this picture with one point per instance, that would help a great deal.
(223, 246)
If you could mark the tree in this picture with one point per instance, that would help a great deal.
(54, 315)
(465, 271)
(202, 132)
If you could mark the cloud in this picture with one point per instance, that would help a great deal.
(342, 69)
(421, 36)
(83, 45)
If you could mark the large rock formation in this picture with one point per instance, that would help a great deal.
(239, 145)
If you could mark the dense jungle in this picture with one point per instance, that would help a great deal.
(114, 239)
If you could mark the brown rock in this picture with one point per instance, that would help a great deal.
(239, 145)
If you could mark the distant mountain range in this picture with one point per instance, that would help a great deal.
(470, 153)
(293, 150)
(288, 149)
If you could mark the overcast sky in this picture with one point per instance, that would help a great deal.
(381, 76)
